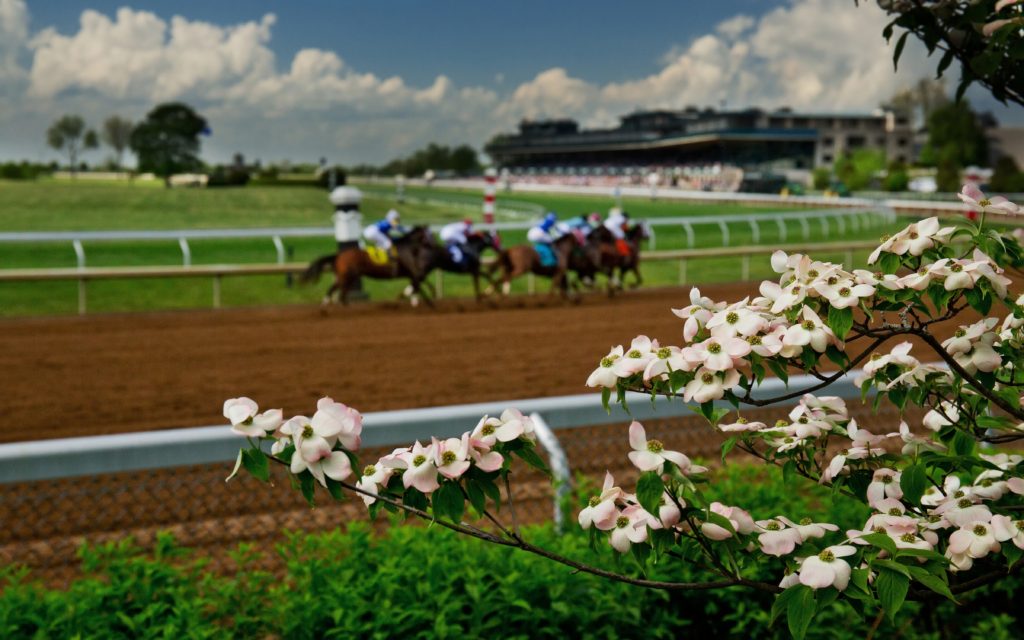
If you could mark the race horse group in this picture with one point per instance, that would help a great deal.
(416, 254)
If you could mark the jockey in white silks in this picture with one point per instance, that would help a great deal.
(455, 236)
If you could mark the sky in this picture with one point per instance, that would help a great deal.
(369, 81)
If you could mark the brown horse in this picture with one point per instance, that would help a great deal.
(611, 259)
(413, 253)
(471, 265)
(523, 258)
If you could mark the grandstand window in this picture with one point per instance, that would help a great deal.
(855, 142)
(827, 158)
(827, 142)
(902, 142)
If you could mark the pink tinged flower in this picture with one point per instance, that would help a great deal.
(910, 540)
(977, 202)
(768, 344)
(718, 354)
(974, 539)
(600, 511)
(374, 477)
(635, 360)
(827, 569)
(835, 467)
(630, 528)
(420, 471)
(668, 513)
(334, 464)
(666, 360)
(708, 385)
(960, 510)
(1005, 529)
(913, 445)
(845, 293)
(739, 519)
(959, 561)
(742, 424)
(789, 580)
(604, 375)
(451, 456)
(885, 483)
(1002, 4)
(1016, 485)
(777, 538)
(650, 455)
(944, 415)
(933, 496)
(808, 529)
(809, 330)
(989, 485)
(246, 421)
(485, 459)
(697, 314)
(339, 420)
(736, 321)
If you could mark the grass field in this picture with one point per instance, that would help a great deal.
(67, 205)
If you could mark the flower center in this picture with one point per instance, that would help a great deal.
(773, 526)
(448, 457)
(707, 378)
(664, 353)
(655, 446)
(833, 280)
(608, 361)
(805, 521)
(1020, 525)
(961, 332)
(895, 512)
(714, 347)
(987, 482)
(827, 556)
(633, 353)
(913, 235)
(754, 340)
(732, 317)
(959, 494)
(307, 431)
(780, 423)
(594, 501)
(884, 238)
(369, 470)
(813, 273)
(908, 537)
(964, 503)
(979, 530)
(984, 202)
(621, 522)
(956, 268)
(808, 325)
(885, 479)
(933, 519)
(418, 460)
(487, 430)
(879, 529)
(803, 420)
(741, 420)
(876, 356)
(845, 291)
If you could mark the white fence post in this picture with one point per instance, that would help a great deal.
(559, 466)
(186, 252)
(725, 232)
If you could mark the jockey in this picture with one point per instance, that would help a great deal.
(397, 228)
(541, 237)
(616, 224)
(378, 234)
(455, 236)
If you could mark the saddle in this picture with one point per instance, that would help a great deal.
(377, 255)
(622, 247)
(547, 254)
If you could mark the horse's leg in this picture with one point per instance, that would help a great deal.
(476, 285)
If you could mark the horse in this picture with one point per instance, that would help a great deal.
(476, 244)
(520, 259)
(612, 259)
(413, 253)
(635, 236)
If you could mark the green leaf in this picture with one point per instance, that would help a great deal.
(476, 495)
(913, 482)
(606, 396)
(891, 566)
(650, 491)
(783, 599)
(448, 502)
(800, 611)
(529, 455)
(641, 552)
(493, 492)
(728, 446)
(979, 300)
(255, 462)
(335, 489)
(902, 42)
(722, 521)
(307, 484)
(840, 321)
(889, 262)
(932, 582)
(414, 498)
(880, 540)
(892, 588)
(779, 370)
(944, 63)
(962, 444)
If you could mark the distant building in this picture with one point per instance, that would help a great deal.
(1006, 141)
(752, 139)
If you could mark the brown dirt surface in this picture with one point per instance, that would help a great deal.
(75, 376)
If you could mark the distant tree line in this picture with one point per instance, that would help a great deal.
(461, 160)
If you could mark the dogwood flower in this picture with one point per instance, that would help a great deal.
(666, 359)
(451, 456)
(635, 360)
(975, 539)
(334, 417)
(419, 467)
(650, 455)
(809, 331)
(600, 510)
(739, 519)
(827, 569)
(374, 477)
(718, 354)
(944, 415)
(777, 538)
(506, 428)
(709, 385)
(1005, 529)
(604, 375)
(630, 528)
(885, 483)
(697, 313)
(977, 202)
(332, 464)
(845, 293)
(243, 413)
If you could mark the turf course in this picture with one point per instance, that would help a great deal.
(86, 205)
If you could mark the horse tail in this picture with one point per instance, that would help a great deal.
(315, 268)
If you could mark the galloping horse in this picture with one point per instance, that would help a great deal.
(611, 258)
(523, 258)
(476, 244)
(635, 236)
(413, 253)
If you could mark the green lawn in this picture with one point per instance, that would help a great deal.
(83, 205)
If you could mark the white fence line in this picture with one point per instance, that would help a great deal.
(75, 457)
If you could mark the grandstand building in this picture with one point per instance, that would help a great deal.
(752, 139)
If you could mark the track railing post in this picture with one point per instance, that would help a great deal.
(689, 234)
(725, 232)
(279, 246)
(439, 283)
(559, 466)
(781, 222)
(755, 230)
(682, 271)
(186, 252)
(216, 291)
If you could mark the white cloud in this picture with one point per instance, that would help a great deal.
(807, 54)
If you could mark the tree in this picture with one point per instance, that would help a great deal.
(947, 177)
(822, 177)
(68, 134)
(167, 141)
(858, 170)
(934, 509)
(954, 130)
(897, 178)
(117, 133)
(1007, 176)
(984, 36)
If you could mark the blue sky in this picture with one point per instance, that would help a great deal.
(368, 81)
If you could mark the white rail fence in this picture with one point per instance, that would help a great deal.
(45, 460)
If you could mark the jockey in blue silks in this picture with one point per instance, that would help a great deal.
(542, 237)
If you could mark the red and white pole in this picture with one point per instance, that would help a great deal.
(490, 186)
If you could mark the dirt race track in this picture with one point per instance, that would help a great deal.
(76, 376)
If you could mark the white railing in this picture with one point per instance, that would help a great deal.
(44, 460)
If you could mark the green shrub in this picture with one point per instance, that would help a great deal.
(426, 582)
